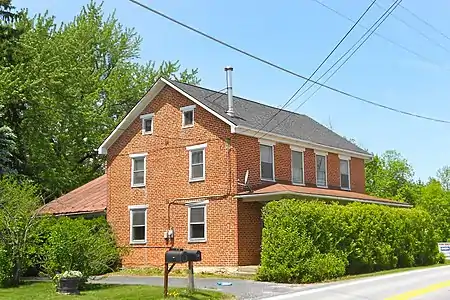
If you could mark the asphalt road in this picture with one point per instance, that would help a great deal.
(423, 284)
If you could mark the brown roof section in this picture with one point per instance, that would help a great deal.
(87, 199)
(279, 189)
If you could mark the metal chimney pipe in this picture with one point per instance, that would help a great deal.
(230, 110)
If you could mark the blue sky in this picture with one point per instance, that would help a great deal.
(298, 34)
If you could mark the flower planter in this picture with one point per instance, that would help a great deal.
(68, 286)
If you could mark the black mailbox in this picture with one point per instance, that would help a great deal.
(193, 255)
(176, 256)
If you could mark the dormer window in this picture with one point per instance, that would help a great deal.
(147, 123)
(187, 116)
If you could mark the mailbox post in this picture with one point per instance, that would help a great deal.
(179, 256)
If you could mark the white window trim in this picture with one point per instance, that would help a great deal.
(138, 155)
(269, 144)
(144, 118)
(266, 142)
(324, 154)
(340, 180)
(186, 109)
(130, 209)
(197, 240)
(292, 165)
(201, 147)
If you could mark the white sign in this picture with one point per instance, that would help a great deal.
(445, 249)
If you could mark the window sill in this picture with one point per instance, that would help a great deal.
(187, 126)
(147, 133)
(300, 184)
(138, 186)
(197, 241)
(322, 186)
(196, 179)
(138, 243)
(345, 189)
(266, 179)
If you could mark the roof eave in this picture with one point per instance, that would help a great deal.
(298, 142)
(253, 197)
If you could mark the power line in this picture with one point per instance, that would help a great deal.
(335, 71)
(436, 43)
(368, 31)
(317, 69)
(422, 57)
(284, 69)
(425, 22)
(365, 36)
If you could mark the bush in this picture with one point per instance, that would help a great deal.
(309, 241)
(78, 244)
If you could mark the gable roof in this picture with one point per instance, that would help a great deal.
(249, 118)
(255, 115)
(86, 199)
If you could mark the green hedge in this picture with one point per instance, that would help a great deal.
(310, 241)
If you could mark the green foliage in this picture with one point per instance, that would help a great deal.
(435, 200)
(66, 90)
(7, 149)
(443, 175)
(313, 241)
(18, 222)
(78, 244)
(391, 176)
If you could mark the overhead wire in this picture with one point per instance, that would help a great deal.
(425, 36)
(269, 63)
(317, 69)
(425, 22)
(365, 36)
(410, 51)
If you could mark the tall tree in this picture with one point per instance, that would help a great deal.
(443, 175)
(74, 84)
(391, 176)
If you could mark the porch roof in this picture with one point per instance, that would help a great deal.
(88, 199)
(278, 190)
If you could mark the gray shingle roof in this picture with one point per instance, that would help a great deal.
(255, 115)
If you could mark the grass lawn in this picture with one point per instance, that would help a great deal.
(385, 272)
(152, 271)
(46, 291)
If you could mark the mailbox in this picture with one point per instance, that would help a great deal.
(176, 256)
(193, 255)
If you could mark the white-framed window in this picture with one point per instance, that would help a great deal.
(147, 123)
(267, 165)
(138, 224)
(344, 165)
(298, 165)
(321, 169)
(197, 164)
(187, 116)
(138, 169)
(197, 222)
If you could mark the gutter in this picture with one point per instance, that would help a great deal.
(397, 204)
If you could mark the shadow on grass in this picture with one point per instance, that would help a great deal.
(97, 287)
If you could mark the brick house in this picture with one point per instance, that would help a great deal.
(177, 163)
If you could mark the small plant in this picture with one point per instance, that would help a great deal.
(68, 282)
(67, 274)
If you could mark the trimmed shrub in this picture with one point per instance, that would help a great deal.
(310, 241)
(79, 244)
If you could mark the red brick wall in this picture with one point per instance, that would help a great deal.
(167, 178)
(310, 167)
(249, 234)
(282, 157)
(333, 171)
(357, 175)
